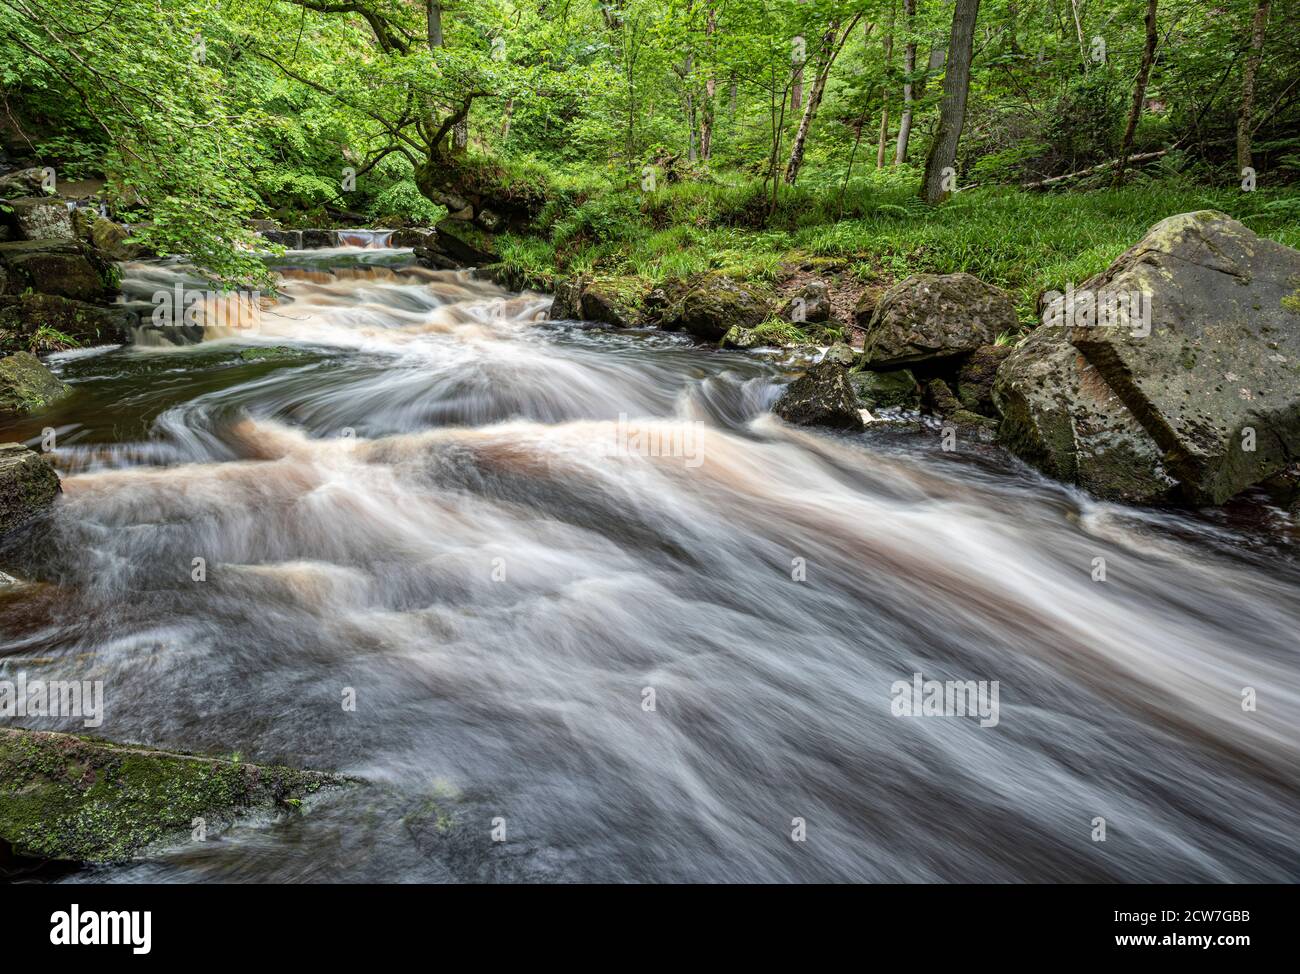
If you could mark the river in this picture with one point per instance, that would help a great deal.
(590, 598)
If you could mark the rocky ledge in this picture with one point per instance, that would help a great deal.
(77, 799)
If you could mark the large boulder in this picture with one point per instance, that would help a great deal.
(1214, 374)
(27, 386)
(822, 396)
(935, 316)
(41, 218)
(48, 322)
(1059, 414)
(711, 305)
(28, 485)
(62, 267)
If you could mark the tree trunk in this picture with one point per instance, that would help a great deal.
(434, 10)
(1247, 108)
(1078, 26)
(909, 68)
(884, 93)
(831, 46)
(1139, 92)
(796, 87)
(710, 91)
(505, 122)
(952, 110)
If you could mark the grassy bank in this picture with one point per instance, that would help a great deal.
(1027, 242)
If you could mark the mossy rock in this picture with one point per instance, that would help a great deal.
(613, 300)
(27, 386)
(26, 318)
(822, 396)
(79, 799)
(261, 353)
(28, 485)
(710, 305)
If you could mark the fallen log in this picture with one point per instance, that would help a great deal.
(1140, 157)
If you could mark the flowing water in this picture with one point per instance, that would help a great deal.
(590, 596)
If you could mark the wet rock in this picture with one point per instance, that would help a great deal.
(65, 797)
(1060, 415)
(28, 485)
(292, 239)
(316, 239)
(455, 245)
(976, 375)
(887, 390)
(711, 305)
(822, 396)
(410, 237)
(1216, 381)
(567, 303)
(935, 316)
(742, 339)
(941, 401)
(61, 267)
(27, 386)
(41, 218)
(33, 320)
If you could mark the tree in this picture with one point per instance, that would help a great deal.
(1246, 111)
(1139, 92)
(909, 95)
(952, 109)
(831, 44)
(884, 91)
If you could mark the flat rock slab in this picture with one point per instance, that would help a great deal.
(78, 799)
(1216, 381)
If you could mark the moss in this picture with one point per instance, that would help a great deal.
(76, 798)
(257, 354)
(27, 386)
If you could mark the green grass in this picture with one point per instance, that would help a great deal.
(1025, 242)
